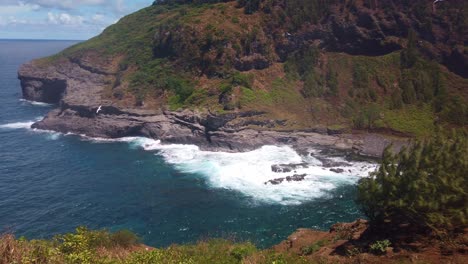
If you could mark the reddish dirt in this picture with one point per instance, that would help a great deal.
(349, 243)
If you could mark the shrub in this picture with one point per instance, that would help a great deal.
(424, 185)
(360, 77)
(313, 248)
(124, 238)
(455, 111)
(353, 252)
(408, 91)
(332, 82)
(409, 55)
(396, 100)
(302, 62)
(241, 79)
(180, 87)
(250, 6)
(367, 117)
(380, 246)
(243, 250)
(312, 85)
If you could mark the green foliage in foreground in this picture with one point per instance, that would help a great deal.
(380, 246)
(102, 247)
(425, 185)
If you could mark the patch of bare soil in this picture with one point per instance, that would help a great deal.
(356, 242)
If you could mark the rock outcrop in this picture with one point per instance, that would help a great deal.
(78, 89)
(78, 79)
(294, 178)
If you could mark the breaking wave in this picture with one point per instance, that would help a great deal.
(251, 173)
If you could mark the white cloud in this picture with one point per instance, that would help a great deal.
(61, 19)
(20, 7)
(98, 18)
(60, 4)
(64, 19)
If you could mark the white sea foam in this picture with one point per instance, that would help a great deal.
(248, 172)
(35, 103)
(51, 135)
(18, 125)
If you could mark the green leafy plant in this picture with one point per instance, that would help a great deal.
(313, 248)
(353, 252)
(242, 251)
(380, 246)
(124, 238)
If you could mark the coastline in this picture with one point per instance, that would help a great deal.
(77, 87)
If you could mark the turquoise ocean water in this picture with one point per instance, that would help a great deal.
(52, 183)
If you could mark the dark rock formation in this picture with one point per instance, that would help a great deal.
(337, 170)
(295, 177)
(328, 163)
(43, 90)
(287, 167)
(78, 88)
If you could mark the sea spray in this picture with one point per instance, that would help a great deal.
(17, 125)
(249, 173)
(35, 103)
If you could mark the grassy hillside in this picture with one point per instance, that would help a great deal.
(101, 247)
(263, 55)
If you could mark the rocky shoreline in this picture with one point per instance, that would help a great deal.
(77, 88)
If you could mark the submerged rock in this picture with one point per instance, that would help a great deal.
(295, 177)
(337, 170)
(328, 163)
(283, 168)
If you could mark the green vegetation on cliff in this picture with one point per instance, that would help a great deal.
(367, 65)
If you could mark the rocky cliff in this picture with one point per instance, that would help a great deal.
(223, 78)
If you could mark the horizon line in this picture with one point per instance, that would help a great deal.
(38, 39)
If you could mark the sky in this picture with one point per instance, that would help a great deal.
(62, 19)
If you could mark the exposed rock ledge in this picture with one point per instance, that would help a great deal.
(77, 89)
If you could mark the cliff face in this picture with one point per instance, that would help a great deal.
(253, 79)
(71, 85)
(379, 27)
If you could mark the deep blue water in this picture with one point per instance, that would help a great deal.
(52, 183)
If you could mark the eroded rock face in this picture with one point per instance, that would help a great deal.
(77, 87)
(43, 90)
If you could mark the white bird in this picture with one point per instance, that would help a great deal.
(99, 109)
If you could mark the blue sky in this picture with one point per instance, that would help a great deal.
(62, 19)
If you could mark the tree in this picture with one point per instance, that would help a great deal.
(250, 6)
(367, 117)
(396, 100)
(424, 185)
(332, 82)
(408, 91)
(409, 55)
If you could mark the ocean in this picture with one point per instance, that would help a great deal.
(51, 183)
